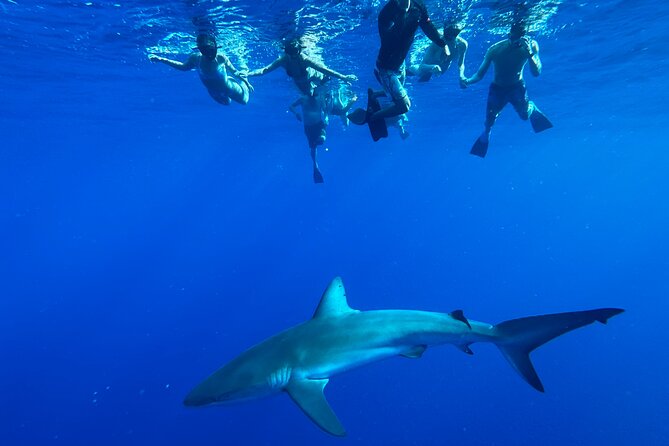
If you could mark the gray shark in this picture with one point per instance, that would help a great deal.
(301, 360)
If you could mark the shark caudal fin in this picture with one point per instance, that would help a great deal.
(519, 337)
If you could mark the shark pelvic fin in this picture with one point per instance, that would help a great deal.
(333, 302)
(465, 348)
(459, 315)
(415, 352)
(308, 395)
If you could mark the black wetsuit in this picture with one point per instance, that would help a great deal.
(397, 30)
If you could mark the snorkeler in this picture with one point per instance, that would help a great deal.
(398, 22)
(316, 110)
(211, 66)
(436, 61)
(307, 73)
(509, 58)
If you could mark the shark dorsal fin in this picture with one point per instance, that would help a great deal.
(333, 302)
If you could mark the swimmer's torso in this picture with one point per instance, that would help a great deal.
(212, 73)
(509, 59)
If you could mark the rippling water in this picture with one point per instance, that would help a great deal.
(76, 49)
(103, 31)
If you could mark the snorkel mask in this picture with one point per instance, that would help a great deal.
(451, 31)
(517, 32)
(293, 47)
(207, 46)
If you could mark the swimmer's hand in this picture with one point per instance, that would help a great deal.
(245, 80)
(258, 72)
(350, 78)
(526, 44)
(464, 82)
(154, 58)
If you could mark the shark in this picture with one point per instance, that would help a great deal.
(300, 360)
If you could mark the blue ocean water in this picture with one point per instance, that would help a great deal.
(149, 234)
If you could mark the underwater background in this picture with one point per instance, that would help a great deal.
(150, 234)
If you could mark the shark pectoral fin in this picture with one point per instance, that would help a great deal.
(308, 395)
(415, 352)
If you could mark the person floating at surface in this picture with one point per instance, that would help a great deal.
(509, 58)
(212, 68)
(436, 61)
(308, 74)
(398, 22)
(315, 111)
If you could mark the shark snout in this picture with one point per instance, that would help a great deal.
(198, 398)
(207, 393)
(194, 401)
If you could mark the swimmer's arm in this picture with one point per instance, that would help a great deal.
(222, 58)
(431, 31)
(483, 69)
(271, 67)
(330, 72)
(190, 63)
(461, 58)
(535, 62)
(386, 16)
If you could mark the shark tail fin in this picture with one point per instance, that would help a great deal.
(517, 338)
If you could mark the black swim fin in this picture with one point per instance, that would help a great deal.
(318, 178)
(378, 127)
(539, 121)
(479, 148)
(358, 116)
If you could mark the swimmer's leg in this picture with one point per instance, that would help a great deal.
(341, 108)
(318, 178)
(379, 94)
(316, 135)
(238, 91)
(527, 109)
(496, 101)
(413, 69)
(219, 96)
(404, 133)
(399, 122)
(424, 72)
